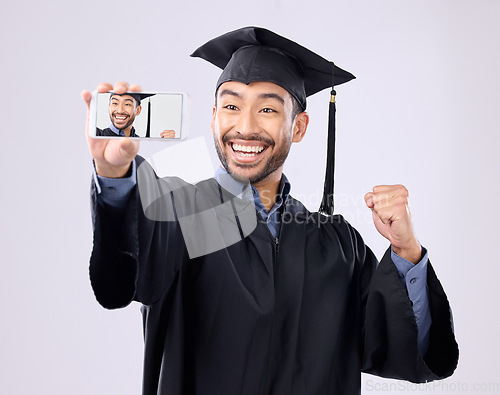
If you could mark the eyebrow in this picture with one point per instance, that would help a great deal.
(115, 98)
(261, 96)
(272, 96)
(229, 92)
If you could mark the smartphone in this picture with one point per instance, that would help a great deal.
(149, 115)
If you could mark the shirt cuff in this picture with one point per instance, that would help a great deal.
(115, 191)
(411, 275)
(414, 280)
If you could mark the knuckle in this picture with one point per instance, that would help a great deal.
(402, 189)
(402, 200)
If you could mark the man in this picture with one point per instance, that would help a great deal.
(292, 303)
(122, 112)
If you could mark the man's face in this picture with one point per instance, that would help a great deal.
(253, 129)
(123, 110)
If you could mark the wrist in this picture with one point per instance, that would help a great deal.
(412, 254)
(110, 171)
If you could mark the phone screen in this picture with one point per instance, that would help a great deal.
(150, 115)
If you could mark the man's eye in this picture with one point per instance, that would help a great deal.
(231, 107)
(268, 110)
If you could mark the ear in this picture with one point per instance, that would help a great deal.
(300, 126)
(138, 110)
(214, 112)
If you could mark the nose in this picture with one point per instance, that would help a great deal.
(247, 123)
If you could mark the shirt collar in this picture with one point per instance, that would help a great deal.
(120, 132)
(239, 189)
(114, 129)
(246, 191)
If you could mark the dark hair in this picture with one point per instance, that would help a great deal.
(296, 107)
(137, 101)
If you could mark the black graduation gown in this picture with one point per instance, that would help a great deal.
(305, 316)
(109, 132)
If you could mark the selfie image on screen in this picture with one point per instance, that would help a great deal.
(147, 115)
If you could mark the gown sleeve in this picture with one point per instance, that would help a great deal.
(134, 257)
(390, 329)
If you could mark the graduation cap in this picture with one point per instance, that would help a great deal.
(138, 97)
(255, 54)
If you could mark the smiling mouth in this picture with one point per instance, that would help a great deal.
(121, 118)
(248, 150)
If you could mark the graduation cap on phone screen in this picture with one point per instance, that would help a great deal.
(255, 54)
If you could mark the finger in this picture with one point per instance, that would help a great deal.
(391, 209)
(377, 220)
(96, 146)
(112, 157)
(389, 191)
(121, 87)
(86, 96)
(381, 201)
(134, 88)
(386, 215)
(392, 213)
(369, 199)
(379, 198)
(386, 192)
(388, 188)
(104, 87)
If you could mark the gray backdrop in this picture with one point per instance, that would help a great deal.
(423, 111)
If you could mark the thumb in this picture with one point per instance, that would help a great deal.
(128, 148)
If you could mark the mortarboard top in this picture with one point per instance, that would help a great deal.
(254, 54)
(136, 95)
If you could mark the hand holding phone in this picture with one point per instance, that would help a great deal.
(112, 157)
(126, 111)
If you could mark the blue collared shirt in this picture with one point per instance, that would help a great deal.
(115, 192)
(120, 132)
(272, 218)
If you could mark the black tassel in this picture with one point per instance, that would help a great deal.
(148, 127)
(327, 201)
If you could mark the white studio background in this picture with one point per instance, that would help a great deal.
(423, 111)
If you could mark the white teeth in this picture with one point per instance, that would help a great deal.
(247, 148)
